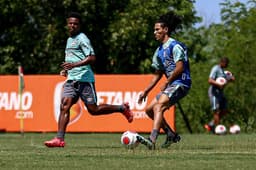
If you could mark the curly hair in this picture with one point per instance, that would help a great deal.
(171, 21)
(75, 15)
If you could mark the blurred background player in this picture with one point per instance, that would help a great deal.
(170, 59)
(215, 92)
(79, 55)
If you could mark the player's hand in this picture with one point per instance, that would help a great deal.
(64, 73)
(232, 78)
(142, 97)
(67, 66)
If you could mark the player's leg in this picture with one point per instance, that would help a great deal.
(88, 95)
(149, 109)
(171, 135)
(104, 109)
(216, 118)
(64, 116)
(215, 106)
(150, 113)
(175, 93)
(158, 109)
(69, 97)
(223, 107)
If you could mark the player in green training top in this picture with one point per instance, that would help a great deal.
(79, 55)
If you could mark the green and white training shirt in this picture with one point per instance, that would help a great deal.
(78, 48)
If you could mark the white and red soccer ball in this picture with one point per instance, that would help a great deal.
(129, 139)
(234, 129)
(228, 74)
(221, 80)
(220, 130)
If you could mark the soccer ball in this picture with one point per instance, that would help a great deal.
(228, 74)
(234, 129)
(129, 139)
(220, 130)
(221, 80)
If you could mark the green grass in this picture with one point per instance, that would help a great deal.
(103, 151)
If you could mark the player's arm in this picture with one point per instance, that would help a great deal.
(64, 73)
(156, 77)
(215, 83)
(232, 79)
(87, 50)
(176, 72)
(88, 60)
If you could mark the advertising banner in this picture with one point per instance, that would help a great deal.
(37, 108)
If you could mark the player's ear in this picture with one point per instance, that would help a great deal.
(166, 29)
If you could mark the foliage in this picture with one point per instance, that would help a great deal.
(29, 34)
(234, 38)
(134, 41)
(33, 32)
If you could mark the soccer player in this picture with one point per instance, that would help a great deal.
(170, 59)
(79, 55)
(215, 92)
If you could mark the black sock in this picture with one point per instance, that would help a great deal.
(61, 135)
(154, 135)
(121, 108)
(169, 132)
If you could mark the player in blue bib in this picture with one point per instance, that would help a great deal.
(170, 59)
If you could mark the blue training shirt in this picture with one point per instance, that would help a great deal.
(78, 48)
(165, 58)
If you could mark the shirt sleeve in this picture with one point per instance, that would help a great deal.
(86, 46)
(156, 63)
(178, 53)
(213, 73)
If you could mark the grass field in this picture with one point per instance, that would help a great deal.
(103, 151)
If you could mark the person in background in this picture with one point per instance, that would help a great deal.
(170, 59)
(216, 95)
(80, 82)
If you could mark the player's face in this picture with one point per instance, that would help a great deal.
(160, 32)
(224, 64)
(73, 26)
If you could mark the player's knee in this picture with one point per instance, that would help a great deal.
(64, 107)
(158, 107)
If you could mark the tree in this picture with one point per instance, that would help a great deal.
(33, 32)
(233, 38)
(132, 41)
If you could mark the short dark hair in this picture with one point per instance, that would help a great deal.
(224, 59)
(75, 15)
